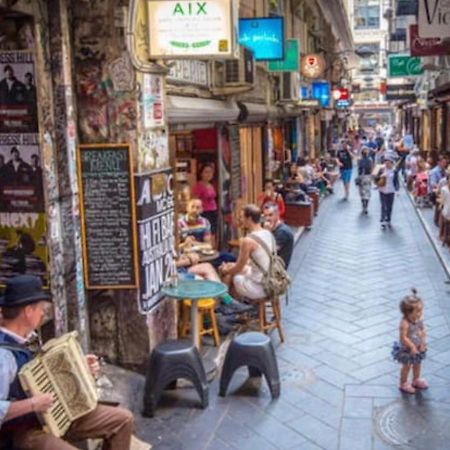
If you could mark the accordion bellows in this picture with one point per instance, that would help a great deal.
(61, 369)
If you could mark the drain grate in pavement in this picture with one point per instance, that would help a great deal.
(413, 424)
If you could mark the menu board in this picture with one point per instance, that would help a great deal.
(235, 151)
(108, 216)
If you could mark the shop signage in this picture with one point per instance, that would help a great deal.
(342, 104)
(404, 66)
(180, 29)
(23, 220)
(312, 66)
(434, 18)
(107, 216)
(400, 92)
(189, 71)
(264, 36)
(340, 94)
(155, 218)
(308, 103)
(290, 62)
(321, 91)
(426, 46)
(152, 100)
(235, 162)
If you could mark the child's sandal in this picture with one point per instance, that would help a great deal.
(407, 388)
(420, 383)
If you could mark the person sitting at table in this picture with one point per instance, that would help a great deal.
(270, 195)
(282, 233)
(295, 187)
(189, 268)
(195, 229)
(246, 275)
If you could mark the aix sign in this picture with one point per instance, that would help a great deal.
(434, 18)
(204, 29)
(404, 66)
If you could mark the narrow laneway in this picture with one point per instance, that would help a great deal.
(339, 384)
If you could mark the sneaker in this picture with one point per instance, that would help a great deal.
(420, 383)
(383, 225)
(407, 388)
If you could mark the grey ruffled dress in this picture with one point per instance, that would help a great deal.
(402, 354)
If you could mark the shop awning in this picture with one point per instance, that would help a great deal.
(185, 110)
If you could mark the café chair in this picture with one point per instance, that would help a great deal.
(254, 350)
(205, 310)
(171, 360)
(262, 323)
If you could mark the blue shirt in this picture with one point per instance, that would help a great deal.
(436, 175)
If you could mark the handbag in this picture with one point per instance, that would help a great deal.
(380, 179)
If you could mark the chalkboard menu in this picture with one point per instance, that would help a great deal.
(235, 150)
(108, 216)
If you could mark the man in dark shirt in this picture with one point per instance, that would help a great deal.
(345, 161)
(282, 233)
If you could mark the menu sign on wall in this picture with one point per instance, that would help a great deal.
(235, 154)
(180, 29)
(155, 219)
(108, 217)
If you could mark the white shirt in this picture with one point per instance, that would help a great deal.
(445, 199)
(389, 187)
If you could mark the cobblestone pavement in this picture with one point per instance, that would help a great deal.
(339, 385)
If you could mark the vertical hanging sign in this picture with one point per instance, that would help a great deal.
(155, 220)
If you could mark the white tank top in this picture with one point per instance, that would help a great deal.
(260, 255)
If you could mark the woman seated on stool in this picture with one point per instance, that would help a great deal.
(246, 275)
(295, 185)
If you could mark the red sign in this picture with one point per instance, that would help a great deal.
(340, 94)
(426, 46)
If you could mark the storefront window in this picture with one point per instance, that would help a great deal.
(367, 14)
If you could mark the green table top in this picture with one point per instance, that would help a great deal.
(195, 289)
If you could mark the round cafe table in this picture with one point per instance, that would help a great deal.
(195, 290)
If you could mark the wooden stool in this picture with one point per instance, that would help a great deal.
(263, 324)
(205, 306)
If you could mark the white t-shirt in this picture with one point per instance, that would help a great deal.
(445, 199)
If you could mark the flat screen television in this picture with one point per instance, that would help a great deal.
(264, 36)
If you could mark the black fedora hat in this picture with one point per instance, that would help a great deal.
(22, 290)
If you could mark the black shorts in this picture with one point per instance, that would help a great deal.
(212, 218)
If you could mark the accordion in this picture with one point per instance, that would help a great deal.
(60, 368)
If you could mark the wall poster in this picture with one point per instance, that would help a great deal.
(155, 220)
(23, 247)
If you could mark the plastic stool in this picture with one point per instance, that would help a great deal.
(205, 307)
(169, 361)
(254, 350)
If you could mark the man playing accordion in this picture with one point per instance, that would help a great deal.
(23, 309)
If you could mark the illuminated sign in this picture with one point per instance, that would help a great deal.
(264, 36)
(340, 94)
(321, 91)
(312, 66)
(180, 29)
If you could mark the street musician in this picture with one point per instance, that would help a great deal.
(23, 308)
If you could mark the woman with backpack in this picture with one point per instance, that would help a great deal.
(251, 276)
(364, 180)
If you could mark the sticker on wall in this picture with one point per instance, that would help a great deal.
(153, 151)
(152, 101)
(122, 74)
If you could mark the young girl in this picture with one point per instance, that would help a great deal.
(411, 349)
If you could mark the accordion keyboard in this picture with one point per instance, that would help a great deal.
(55, 417)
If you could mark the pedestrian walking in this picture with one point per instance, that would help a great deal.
(411, 349)
(365, 168)
(345, 161)
(388, 184)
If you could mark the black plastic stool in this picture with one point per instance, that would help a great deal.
(254, 350)
(169, 361)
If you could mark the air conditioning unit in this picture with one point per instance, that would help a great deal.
(240, 72)
(289, 87)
